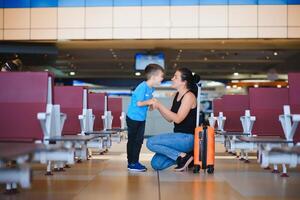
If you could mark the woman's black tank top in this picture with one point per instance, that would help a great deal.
(189, 123)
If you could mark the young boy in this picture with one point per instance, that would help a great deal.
(137, 111)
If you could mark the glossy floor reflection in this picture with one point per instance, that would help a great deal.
(106, 177)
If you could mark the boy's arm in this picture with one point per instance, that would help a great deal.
(139, 96)
(145, 103)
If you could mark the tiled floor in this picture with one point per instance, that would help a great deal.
(106, 177)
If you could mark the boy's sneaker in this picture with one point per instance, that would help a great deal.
(143, 166)
(136, 167)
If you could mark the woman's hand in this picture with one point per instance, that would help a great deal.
(154, 104)
(162, 109)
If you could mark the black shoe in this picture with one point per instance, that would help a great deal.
(183, 162)
(191, 165)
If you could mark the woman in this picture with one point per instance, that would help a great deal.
(176, 148)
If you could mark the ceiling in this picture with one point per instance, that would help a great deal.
(114, 59)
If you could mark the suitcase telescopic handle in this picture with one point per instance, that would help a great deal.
(198, 103)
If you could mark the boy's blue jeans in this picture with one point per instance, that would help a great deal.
(167, 147)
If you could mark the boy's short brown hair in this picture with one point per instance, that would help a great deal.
(152, 69)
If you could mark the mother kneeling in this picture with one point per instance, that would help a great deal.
(175, 148)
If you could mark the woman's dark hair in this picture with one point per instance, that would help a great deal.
(191, 80)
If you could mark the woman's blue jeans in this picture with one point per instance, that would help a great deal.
(167, 147)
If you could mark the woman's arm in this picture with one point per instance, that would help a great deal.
(187, 104)
(162, 109)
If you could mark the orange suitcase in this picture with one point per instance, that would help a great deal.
(204, 143)
(204, 149)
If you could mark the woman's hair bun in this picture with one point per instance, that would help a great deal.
(196, 78)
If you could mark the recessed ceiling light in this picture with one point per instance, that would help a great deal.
(235, 73)
(72, 73)
(234, 86)
(275, 53)
(46, 70)
(205, 58)
(256, 85)
(137, 73)
(228, 87)
(235, 81)
(279, 86)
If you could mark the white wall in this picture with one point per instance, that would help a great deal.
(146, 22)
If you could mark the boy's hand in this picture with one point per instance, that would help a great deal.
(156, 104)
(147, 102)
(151, 101)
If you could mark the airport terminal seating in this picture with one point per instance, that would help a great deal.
(288, 154)
(26, 98)
(80, 119)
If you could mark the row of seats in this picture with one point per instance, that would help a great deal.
(72, 101)
(262, 121)
(55, 125)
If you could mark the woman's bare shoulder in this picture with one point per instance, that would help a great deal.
(189, 97)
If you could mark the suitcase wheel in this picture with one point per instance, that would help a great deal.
(196, 169)
(210, 169)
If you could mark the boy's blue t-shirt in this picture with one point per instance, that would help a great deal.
(142, 93)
